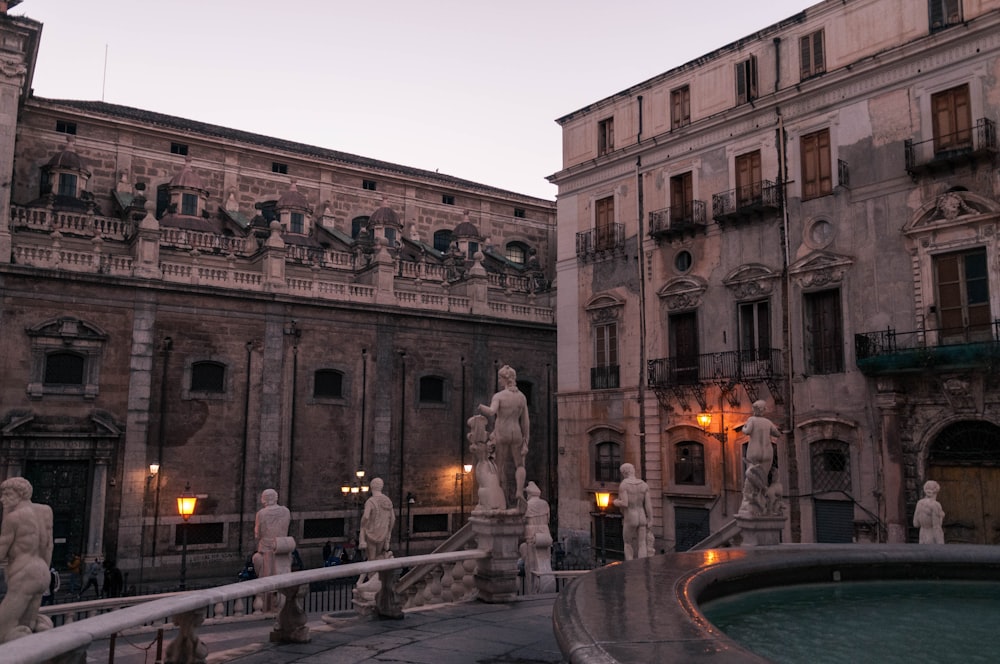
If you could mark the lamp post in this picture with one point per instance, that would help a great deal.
(466, 469)
(705, 421)
(154, 469)
(185, 507)
(410, 500)
(603, 499)
(356, 490)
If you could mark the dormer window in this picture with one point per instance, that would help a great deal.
(185, 194)
(189, 204)
(297, 222)
(64, 174)
(67, 185)
(293, 211)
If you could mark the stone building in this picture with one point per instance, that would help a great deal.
(247, 313)
(806, 216)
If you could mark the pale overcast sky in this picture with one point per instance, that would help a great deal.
(468, 87)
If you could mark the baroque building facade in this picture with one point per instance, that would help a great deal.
(807, 216)
(244, 313)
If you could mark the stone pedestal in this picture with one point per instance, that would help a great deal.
(761, 530)
(498, 533)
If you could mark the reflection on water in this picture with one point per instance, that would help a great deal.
(879, 621)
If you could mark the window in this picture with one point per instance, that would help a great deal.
(208, 377)
(189, 204)
(328, 383)
(368, 184)
(680, 107)
(322, 528)
(178, 148)
(519, 213)
(357, 224)
(748, 178)
(63, 368)
(689, 463)
(605, 220)
(390, 236)
(683, 261)
(278, 167)
(67, 185)
(746, 80)
(447, 199)
(431, 389)
(430, 523)
(824, 333)
(831, 467)
(944, 13)
(516, 253)
(608, 461)
(963, 296)
(951, 119)
(64, 127)
(442, 240)
(604, 374)
(605, 136)
(755, 331)
(683, 329)
(817, 174)
(681, 198)
(472, 249)
(811, 51)
(199, 533)
(297, 222)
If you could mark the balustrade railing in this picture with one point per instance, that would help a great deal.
(735, 365)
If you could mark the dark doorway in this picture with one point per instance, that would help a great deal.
(63, 486)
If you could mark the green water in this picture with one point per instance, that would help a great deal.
(880, 621)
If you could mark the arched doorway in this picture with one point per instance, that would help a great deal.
(965, 460)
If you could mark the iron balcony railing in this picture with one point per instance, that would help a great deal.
(747, 201)
(889, 351)
(604, 378)
(949, 149)
(677, 219)
(601, 238)
(733, 365)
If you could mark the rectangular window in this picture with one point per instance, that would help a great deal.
(605, 136)
(963, 296)
(189, 204)
(607, 467)
(606, 345)
(680, 107)
(813, 61)
(199, 533)
(748, 178)
(368, 184)
(817, 165)
(447, 199)
(681, 197)
(322, 528)
(944, 13)
(605, 223)
(431, 389)
(278, 167)
(683, 330)
(746, 80)
(430, 523)
(297, 222)
(64, 127)
(824, 333)
(67, 184)
(689, 463)
(328, 383)
(755, 331)
(178, 148)
(519, 213)
(952, 119)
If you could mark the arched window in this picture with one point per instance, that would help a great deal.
(689, 463)
(357, 224)
(517, 252)
(431, 389)
(63, 368)
(328, 383)
(208, 377)
(608, 461)
(442, 240)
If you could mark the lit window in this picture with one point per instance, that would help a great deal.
(516, 253)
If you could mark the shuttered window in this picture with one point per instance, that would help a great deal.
(812, 57)
(963, 296)
(824, 333)
(952, 119)
(817, 169)
(680, 107)
(746, 80)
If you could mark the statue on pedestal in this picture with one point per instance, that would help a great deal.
(26, 547)
(929, 515)
(274, 546)
(760, 497)
(490, 493)
(536, 550)
(374, 594)
(637, 513)
(510, 434)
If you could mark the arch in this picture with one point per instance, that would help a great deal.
(966, 442)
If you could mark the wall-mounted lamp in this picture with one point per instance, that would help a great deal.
(154, 468)
(705, 421)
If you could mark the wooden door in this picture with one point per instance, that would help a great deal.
(970, 497)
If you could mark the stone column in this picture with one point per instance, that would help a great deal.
(496, 576)
(98, 505)
(888, 401)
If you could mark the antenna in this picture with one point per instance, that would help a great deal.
(104, 80)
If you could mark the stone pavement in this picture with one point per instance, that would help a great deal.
(468, 633)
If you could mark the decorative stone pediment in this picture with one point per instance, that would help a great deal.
(605, 307)
(683, 293)
(820, 269)
(752, 280)
(949, 209)
(67, 328)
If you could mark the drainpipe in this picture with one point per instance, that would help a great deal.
(402, 436)
(777, 63)
(168, 345)
(641, 262)
(246, 442)
(364, 399)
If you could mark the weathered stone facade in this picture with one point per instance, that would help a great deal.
(809, 216)
(248, 313)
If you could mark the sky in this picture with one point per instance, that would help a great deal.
(469, 88)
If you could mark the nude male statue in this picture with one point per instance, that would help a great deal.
(26, 545)
(511, 429)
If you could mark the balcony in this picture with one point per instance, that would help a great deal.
(733, 365)
(677, 221)
(942, 153)
(604, 378)
(752, 201)
(892, 352)
(600, 240)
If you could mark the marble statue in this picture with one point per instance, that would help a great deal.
(274, 546)
(536, 550)
(509, 408)
(374, 593)
(491, 496)
(760, 498)
(26, 547)
(637, 512)
(929, 515)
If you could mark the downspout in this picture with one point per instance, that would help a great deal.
(402, 441)
(168, 345)
(641, 395)
(246, 442)
(364, 399)
(291, 425)
(777, 63)
(461, 444)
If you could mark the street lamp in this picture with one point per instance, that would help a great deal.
(410, 500)
(466, 469)
(356, 490)
(154, 469)
(603, 499)
(185, 507)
